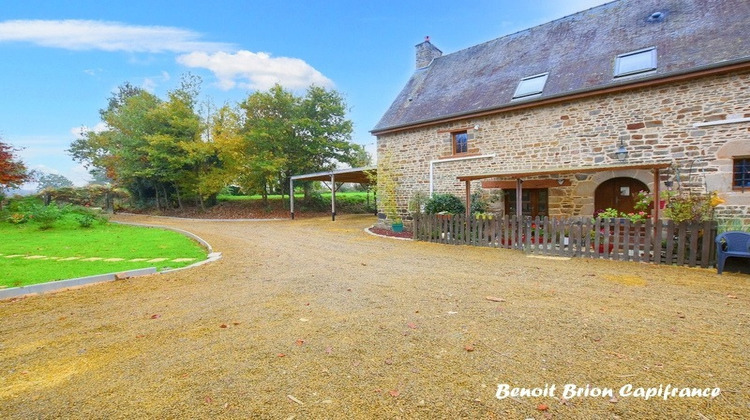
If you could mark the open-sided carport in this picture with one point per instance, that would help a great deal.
(356, 175)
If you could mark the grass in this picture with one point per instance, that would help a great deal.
(347, 202)
(102, 240)
(353, 196)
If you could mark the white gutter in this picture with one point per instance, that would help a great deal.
(433, 162)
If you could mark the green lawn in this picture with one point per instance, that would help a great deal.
(102, 240)
(352, 196)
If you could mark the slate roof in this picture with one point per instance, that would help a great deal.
(579, 53)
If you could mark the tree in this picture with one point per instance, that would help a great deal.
(13, 172)
(287, 135)
(155, 148)
(55, 181)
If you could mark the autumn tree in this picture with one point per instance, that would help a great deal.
(13, 172)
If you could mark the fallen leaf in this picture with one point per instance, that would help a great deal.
(469, 347)
(495, 299)
(299, 342)
(223, 326)
(154, 316)
(235, 323)
(394, 393)
(209, 400)
(291, 397)
(280, 355)
(613, 400)
(411, 325)
(679, 315)
(732, 296)
(542, 407)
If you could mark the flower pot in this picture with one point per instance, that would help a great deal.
(397, 227)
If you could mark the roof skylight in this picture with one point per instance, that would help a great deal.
(635, 62)
(530, 86)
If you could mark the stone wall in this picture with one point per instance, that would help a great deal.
(655, 124)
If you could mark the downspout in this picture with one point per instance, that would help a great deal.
(434, 161)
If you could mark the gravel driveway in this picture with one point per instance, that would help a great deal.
(317, 319)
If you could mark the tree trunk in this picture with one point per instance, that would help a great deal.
(264, 193)
(179, 197)
(167, 204)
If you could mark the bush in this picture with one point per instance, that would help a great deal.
(46, 216)
(316, 202)
(444, 203)
(478, 203)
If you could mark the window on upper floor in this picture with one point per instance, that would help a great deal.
(635, 62)
(531, 86)
(741, 173)
(460, 142)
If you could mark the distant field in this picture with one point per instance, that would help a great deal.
(105, 241)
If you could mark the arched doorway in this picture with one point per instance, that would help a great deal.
(618, 193)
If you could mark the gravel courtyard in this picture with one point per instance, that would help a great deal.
(317, 319)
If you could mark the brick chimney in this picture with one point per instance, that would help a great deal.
(426, 52)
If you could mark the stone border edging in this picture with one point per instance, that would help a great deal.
(64, 284)
(211, 257)
(100, 278)
(367, 230)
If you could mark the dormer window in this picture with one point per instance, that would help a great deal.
(531, 86)
(635, 62)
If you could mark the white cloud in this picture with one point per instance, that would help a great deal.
(256, 71)
(93, 72)
(148, 85)
(107, 36)
(98, 128)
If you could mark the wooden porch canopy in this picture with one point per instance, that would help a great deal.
(355, 175)
(519, 175)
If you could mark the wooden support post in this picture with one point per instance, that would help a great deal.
(657, 201)
(468, 200)
(519, 199)
(291, 197)
(333, 197)
(519, 208)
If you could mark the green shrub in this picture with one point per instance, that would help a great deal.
(46, 216)
(444, 203)
(316, 202)
(479, 203)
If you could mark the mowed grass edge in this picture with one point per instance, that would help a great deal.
(103, 240)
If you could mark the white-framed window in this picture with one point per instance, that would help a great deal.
(530, 86)
(635, 62)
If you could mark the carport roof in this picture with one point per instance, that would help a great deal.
(563, 170)
(357, 175)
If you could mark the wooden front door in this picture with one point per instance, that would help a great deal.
(533, 202)
(619, 194)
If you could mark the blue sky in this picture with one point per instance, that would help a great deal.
(62, 60)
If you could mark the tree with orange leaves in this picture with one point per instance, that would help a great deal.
(13, 172)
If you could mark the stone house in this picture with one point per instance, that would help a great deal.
(583, 112)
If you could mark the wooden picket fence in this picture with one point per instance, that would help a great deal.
(665, 242)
